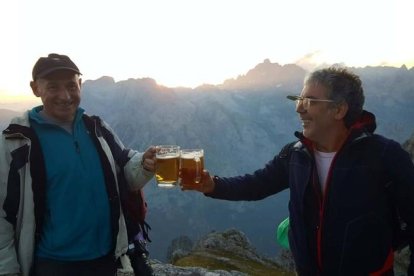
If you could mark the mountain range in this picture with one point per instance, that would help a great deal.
(241, 124)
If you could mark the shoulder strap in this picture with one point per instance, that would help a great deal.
(120, 155)
(133, 203)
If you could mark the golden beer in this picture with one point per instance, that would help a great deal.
(191, 167)
(167, 169)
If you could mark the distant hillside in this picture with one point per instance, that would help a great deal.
(5, 117)
(409, 146)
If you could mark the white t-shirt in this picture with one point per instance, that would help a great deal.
(323, 163)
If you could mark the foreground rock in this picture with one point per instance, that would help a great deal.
(161, 269)
(227, 253)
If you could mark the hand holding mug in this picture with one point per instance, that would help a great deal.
(148, 159)
(206, 184)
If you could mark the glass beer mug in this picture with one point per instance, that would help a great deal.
(167, 169)
(191, 167)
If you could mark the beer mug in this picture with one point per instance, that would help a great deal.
(191, 166)
(167, 169)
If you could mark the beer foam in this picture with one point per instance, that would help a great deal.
(190, 155)
(167, 156)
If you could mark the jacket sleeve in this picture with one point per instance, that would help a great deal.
(135, 173)
(8, 258)
(401, 169)
(264, 182)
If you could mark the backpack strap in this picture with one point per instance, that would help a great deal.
(133, 203)
(120, 155)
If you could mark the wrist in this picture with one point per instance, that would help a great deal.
(211, 184)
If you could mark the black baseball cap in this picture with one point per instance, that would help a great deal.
(53, 62)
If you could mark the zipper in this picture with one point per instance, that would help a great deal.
(320, 198)
(75, 140)
(322, 201)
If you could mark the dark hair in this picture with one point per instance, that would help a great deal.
(343, 86)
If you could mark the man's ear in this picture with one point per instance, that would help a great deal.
(34, 86)
(341, 110)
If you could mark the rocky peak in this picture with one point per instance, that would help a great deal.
(267, 75)
(231, 240)
(229, 251)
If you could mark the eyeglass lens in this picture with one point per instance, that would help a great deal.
(305, 102)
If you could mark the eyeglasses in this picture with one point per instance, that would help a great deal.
(306, 101)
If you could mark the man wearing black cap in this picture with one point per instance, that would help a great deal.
(60, 209)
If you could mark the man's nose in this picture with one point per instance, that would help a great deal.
(64, 93)
(300, 108)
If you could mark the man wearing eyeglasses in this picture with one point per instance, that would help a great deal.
(346, 183)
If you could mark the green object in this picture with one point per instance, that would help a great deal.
(282, 233)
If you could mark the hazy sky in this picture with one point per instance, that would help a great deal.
(191, 42)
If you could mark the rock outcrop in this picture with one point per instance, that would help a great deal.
(161, 269)
(218, 253)
(229, 251)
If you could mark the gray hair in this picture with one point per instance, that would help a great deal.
(343, 86)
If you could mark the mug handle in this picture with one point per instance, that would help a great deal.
(197, 179)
